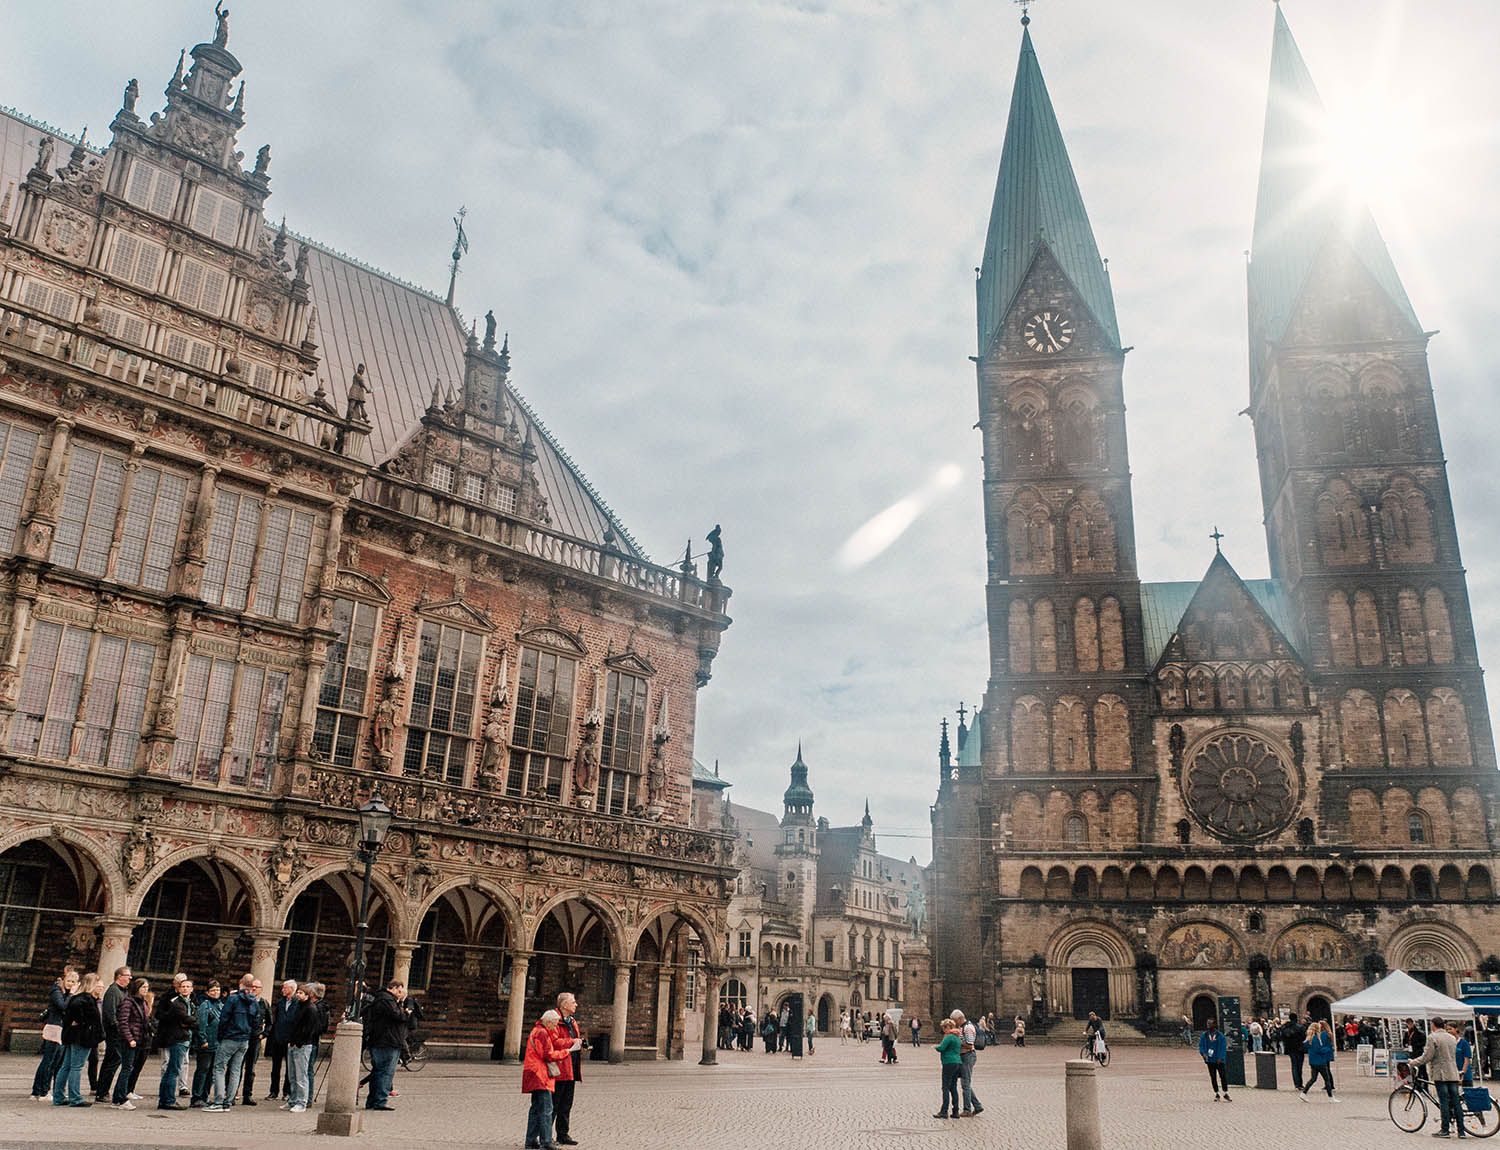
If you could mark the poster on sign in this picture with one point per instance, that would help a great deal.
(1382, 1063)
(1364, 1059)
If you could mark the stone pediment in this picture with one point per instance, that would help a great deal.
(458, 612)
(358, 583)
(1225, 622)
(632, 663)
(552, 638)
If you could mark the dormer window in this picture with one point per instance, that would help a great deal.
(152, 189)
(441, 477)
(474, 487)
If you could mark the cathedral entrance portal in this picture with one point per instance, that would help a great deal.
(1436, 979)
(1204, 1008)
(1090, 991)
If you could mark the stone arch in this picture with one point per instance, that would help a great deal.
(1112, 884)
(1077, 428)
(1085, 635)
(1480, 887)
(1124, 819)
(1327, 414)
(1020, 636)
(1279, 884)
(1026, 821)
(1260, 688)
(1405, 734)
(1342, 532)
(1336, 884)
(1168, 883)
(1232, 688)
(1411, 627)
(1413, 946)
(506, 905)
(1111, 635)
(1027, 421)
(1170, 688)
(1450, 883)
(1369, 644)
(1363, 884)
(1044, 636)
(1085, 883)
(1140, 886)
(112, 882)
(263, 904)
(1468, 819)
(1406, 519)
(1316, 1001)
(1423, 886)
(1364, 817)
(1252, 884)
(1030, 734)
(1059, 885)
(1222, 886)
(1031, 535)
(1439, 625)
(609, 918)
(1396, 805)
(1200, 689)
(391, 896)
(1308, 885)
(1090, 943)
(1393, 886)
(709, 935)
(1359, 724)
(1032, 885)
(1195, 884)
(1434, 803)
(1340, 629)
(1070, 739)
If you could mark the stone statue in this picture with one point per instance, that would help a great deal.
(586, 765)
(387, 716)
(1038, 985)
(44, 154)
(1262, 990)
(715, 554)
(489, 329)
(656, 779)
(494, 744)
(132, 94)
(263, 160)
(916, 911)
(301, 270)
(359, 391)
(221, 29)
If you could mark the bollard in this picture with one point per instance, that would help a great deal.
(1081, 1103)
(340, 1115)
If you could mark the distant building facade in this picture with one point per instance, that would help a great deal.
(279, 533)
(1275, 789)
(817, 910)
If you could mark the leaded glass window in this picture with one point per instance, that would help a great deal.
(156, 945)
(231, 549)
(439, 729)
(17, 449)
(544, 712)
(21, 886)
(623, 744)
(346, 679)
(148, 543)
(116, 702)
(86, 521)
(283, 564)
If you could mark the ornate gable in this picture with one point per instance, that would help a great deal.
(553, 639)
(357, 583)
(632, 663)
(458, 612)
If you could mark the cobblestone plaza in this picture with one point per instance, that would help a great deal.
(839, 1099)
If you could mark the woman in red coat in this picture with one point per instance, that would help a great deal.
(545, 1049)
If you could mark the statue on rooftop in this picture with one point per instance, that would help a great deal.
(132, 93)
(489, 330)
(301, 271)
(359, 391)
(221, 29)
(263, 160)
(44, 154)
(715, 554)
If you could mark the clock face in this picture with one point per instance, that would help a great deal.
(1049, 332)
(1238, 787)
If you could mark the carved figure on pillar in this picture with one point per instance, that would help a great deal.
(132, 94)
(263, 160)
(495, 747)
(387, 719)
(44, 155)
(715, 554)
(137, 853)
(656, 769)
(221, 28)
(586, 765)
(359, 391)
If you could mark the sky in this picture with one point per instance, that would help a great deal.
(733, 245)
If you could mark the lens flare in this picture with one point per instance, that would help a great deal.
(885, 527)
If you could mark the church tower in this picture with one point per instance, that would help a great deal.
(1359, 520)
(797, 853)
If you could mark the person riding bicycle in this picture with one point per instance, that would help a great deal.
(1093, 1031)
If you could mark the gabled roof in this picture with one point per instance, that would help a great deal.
(1037, 202)
(1303, 203)
(408, 339)
(1163, 606)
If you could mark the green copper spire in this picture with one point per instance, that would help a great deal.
(1037, 202)
(1303, 203)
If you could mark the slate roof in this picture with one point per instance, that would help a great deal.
(968, 755)
(407, 338)
(1301, 204)
(1163, 605)
(704, 777)
(1037, 201)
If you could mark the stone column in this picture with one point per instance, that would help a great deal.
(114, 944)
(340, 1115)
(43, 520)
(401, 962)
(620, 1012)
(515, 1008)
(1081, 1105)
(709, 977)
(315, 658)
(265, 945)
(190, 582)
(664, 1018)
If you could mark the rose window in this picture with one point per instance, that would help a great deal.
(1238, 786)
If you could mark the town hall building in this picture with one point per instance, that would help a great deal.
(1271, 788)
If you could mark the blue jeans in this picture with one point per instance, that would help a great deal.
(1447, 1093)
(65, 1086)
(171, 1071)
(539, 1119)
(312, 1073)
(382, 1074)
(951, 1072)
(228, 1061)
(129, 1055)
(46, 1069)
(203, 1073)
(297, 1060)
(966, 1075)
(112, 1047)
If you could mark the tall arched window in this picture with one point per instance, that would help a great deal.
(1076, 830)
(1416, 829)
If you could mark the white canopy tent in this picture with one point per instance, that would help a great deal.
(1399, 995)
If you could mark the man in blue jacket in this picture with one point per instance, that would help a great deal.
(237, 1021)
(1212, 1048)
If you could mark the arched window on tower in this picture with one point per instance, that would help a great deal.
(1025, 431)
(1076, 831)
(1417, 831)
(1077, 434)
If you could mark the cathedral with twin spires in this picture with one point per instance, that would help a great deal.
(1271, 788)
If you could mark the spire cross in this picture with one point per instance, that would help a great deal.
(460, 249)
(1216, 535)
(962, 714)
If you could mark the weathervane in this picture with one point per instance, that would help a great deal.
(460, 249)
(1025, 11)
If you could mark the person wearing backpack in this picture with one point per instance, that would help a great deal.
(52, 1046)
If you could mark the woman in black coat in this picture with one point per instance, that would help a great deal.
(83, 1029)
(135, 1041)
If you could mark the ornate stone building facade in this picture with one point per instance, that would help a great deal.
(817, 910)
(1271, 788)
(279, 533)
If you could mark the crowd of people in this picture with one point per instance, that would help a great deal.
(210, 1041)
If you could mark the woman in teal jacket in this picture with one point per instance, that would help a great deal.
(952, 1063)
(1320, 1059)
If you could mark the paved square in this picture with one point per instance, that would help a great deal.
(839, 1099)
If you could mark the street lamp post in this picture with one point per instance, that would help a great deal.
(339, 1113)
(374, 821)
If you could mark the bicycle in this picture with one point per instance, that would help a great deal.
(413, 1055)
(1100, 1056)
(1408, 1104)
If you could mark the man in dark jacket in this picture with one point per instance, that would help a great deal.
(173, 1034)
(572, 1071)
(283, 1010)
(237, 1021)
(258, 1033)
(1212, 1048)
(385, 1035)
(113, 1047)
(1293, 1038)
(205, 1044)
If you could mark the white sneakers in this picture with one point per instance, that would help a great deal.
(298, 1109)
(126, 1105)
(133, 1097)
